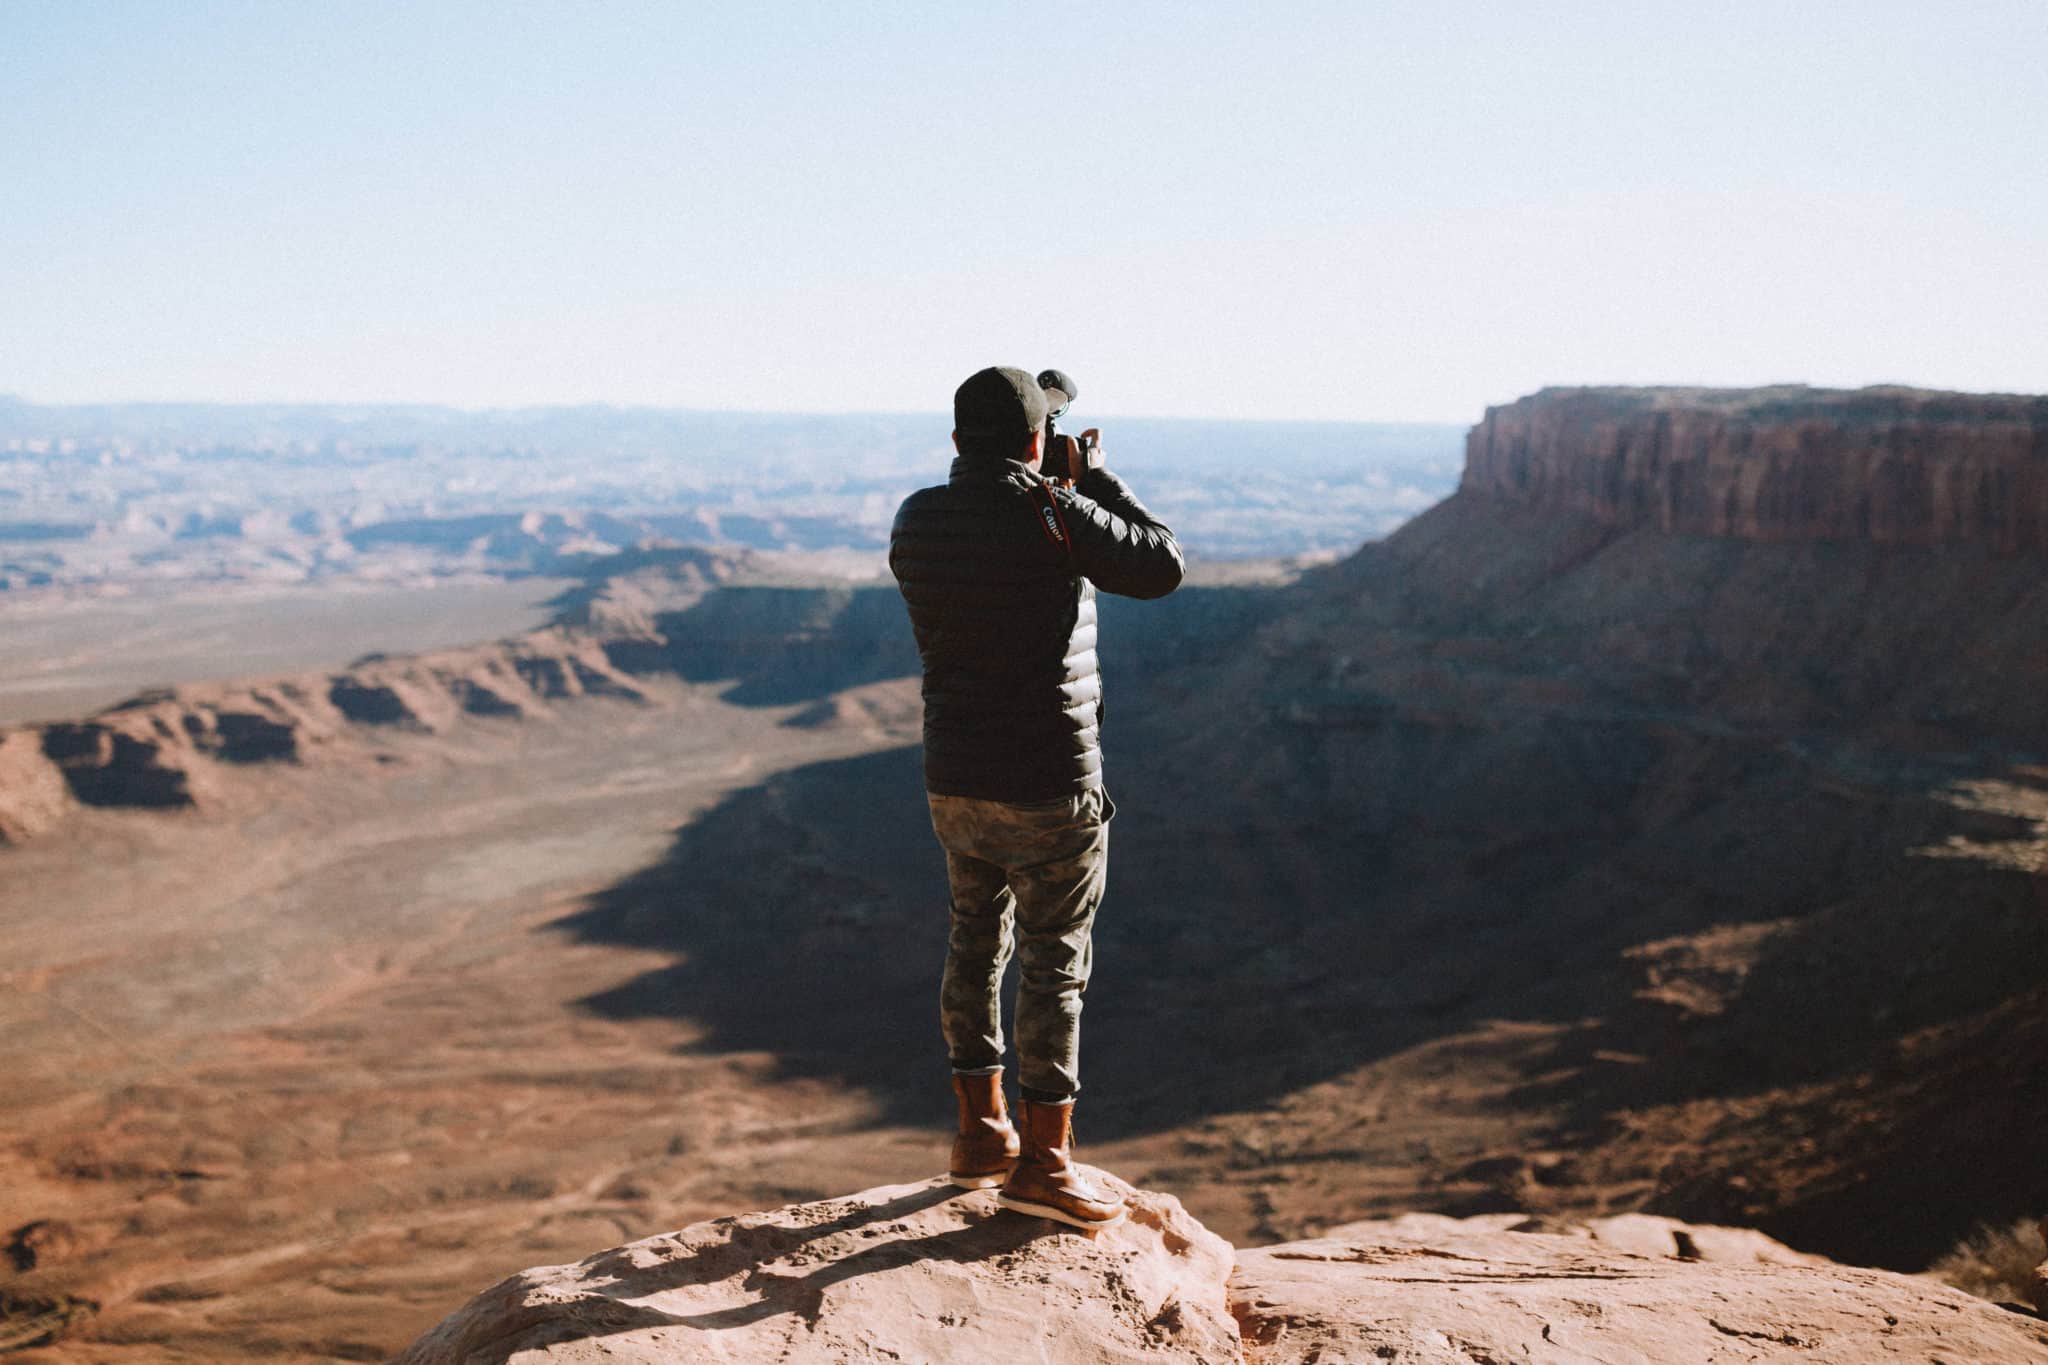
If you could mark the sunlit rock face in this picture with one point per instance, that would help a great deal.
(927, 1272)
(1893, 466)
(920, 1271)
(1485, 1289)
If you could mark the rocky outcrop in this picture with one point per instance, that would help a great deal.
(1474, 1290)
(173, 748)
(1893, 466)
(920, 1272)
(931, 1273)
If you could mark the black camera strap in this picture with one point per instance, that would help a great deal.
(1052, 522)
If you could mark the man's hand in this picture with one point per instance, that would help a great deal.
(1081, 455)
(1091, 452)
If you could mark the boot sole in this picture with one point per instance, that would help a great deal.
(1016, 1205)
(977, 1182)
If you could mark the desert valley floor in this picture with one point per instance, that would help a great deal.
(300, 1074)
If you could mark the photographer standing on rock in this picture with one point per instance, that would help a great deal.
(999, 566)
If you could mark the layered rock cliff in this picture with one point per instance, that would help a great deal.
(1893, 466)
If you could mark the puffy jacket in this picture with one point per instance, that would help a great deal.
(1005, 622)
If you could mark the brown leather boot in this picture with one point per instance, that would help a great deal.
(1046, 1181)
(985, 1144)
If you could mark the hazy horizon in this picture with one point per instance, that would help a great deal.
(934, 414)
(425, 405)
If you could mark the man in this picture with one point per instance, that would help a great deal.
(999, 567)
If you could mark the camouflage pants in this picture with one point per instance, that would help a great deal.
(1038, 870)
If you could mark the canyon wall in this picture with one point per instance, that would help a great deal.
(1886, 465)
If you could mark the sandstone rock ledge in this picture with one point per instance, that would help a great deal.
(922, 1272)
(1433, 1291)
(927, 1273)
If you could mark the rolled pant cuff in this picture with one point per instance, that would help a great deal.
(1037, 1096)
(995, 1070)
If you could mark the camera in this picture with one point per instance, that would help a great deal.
(1059, 462)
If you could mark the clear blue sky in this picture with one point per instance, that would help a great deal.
(1380, 211)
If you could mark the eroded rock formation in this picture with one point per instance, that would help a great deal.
(173, 748)
(1894, 466)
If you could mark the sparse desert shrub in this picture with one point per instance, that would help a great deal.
(1995, 1263)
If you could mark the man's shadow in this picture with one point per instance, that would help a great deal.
(754, 1252)
(807, 919)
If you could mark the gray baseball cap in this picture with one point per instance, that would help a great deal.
(997, 408)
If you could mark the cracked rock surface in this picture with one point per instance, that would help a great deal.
(1440, 1291)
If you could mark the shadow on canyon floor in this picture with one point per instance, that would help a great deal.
(808, 916)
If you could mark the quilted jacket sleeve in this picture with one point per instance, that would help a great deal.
(1118, 545)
